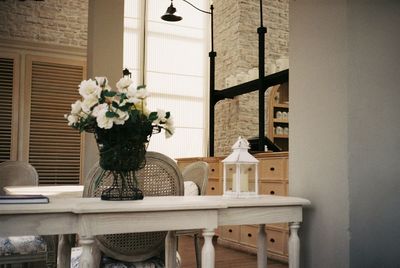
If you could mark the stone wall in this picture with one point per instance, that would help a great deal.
(59, 22)
(236, 43)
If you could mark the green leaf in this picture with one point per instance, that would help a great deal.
(115, 105)
(109, 93)
(110, 114)
(167, 115)
(124, 108)
(153, 116)
(141, 86)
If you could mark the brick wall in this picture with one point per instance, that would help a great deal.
(59, 22)
(236, 43)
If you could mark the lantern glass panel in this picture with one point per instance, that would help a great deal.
(230, 177)
(247, 178)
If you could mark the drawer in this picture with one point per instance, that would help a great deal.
(248, 235)
(273, 169)
(273, 188)
(214, 170)
(231, 232)
(276, 241)
(213, 187)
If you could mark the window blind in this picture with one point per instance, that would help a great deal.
(54, 147)
(6, 93)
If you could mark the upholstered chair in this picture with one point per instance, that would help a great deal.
(24, 249)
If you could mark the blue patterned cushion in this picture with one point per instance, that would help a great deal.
(150, 263)
(107, 262)
(23, 245)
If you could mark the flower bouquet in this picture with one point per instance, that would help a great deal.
(122, 126)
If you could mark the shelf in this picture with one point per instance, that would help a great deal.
(280, 120)
(281, 105)
(281, 136)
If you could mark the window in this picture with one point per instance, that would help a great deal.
(171, 59)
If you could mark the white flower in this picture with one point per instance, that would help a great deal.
(72, 119)
(137, 93)
(122, 117)
(88, 103)
(103, 82)
(99, 109)
(133, 100)
(169, 127)
(123, 84)
(76, 107)
(161, 117)
(103, 121)
(141, 93)
(89, 88)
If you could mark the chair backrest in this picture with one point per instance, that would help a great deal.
(17, 173)
(197, 172)
(159, 177)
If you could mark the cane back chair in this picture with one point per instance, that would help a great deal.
(159, 177)
(195, 176)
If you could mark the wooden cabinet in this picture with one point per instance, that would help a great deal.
(273, 179)
(278, 115)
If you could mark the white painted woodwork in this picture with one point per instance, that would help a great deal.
(87, 260)
(294, 245)
(261, 247)
(64, 251)
(170, 247)
(208, 252)
(91, 216)
(54, 190)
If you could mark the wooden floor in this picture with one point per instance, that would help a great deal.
(224, 257)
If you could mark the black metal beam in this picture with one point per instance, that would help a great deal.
(251, 86)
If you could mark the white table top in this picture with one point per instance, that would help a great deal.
(50, 191)
(151, 203)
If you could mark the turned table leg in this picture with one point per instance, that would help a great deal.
(170, 250)
(261, 247)
(208, 252)
(87, 260)
(64, 251)
(294, 245)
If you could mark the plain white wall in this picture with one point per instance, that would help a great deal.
(318, 164)
(345, 130)
(374, 132)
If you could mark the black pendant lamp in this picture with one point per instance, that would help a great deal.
(170, 14)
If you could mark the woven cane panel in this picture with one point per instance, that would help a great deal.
(160, 177)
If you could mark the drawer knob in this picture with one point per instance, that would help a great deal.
(272, 192)
(249, 234)
(212, 169)
(272, 169)
(272, 240)
(213, 188)
(230, 230)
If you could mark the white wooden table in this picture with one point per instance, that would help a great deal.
(91, 216)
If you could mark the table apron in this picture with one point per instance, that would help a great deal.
(259, 215)
(38, 224)
(133, 222)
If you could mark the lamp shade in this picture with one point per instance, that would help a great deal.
(170, 14)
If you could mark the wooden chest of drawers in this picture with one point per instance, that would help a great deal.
(273, 180)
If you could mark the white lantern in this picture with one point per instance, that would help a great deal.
(240, 171)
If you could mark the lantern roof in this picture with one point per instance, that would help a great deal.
(240, 153)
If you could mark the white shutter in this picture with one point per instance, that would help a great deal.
(54, 147)
(9, 112)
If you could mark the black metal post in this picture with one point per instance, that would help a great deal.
(261, 73)
(212, 56)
